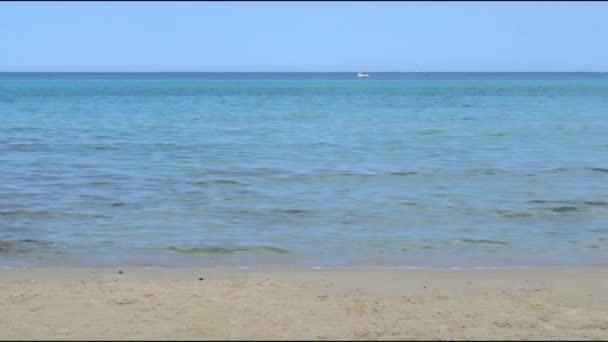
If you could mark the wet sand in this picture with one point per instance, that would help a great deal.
(387, 304)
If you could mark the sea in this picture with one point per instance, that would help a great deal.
(304, 169)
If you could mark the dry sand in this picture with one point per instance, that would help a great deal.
(171, 303)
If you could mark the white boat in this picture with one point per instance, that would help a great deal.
(362, 74)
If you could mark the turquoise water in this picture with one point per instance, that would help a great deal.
(304, 169)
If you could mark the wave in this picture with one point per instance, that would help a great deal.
(483, 241)
(104, 148)
(217, 181)
(22, 246)
(513, 214)
(599, 169)
(227, 250)
(595, 202)
(565, 209)
(44, 214)
(275, 211)
(404, 173)
(573, 203)
(431, 132)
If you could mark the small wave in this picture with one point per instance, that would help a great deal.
(99, 183)
(44, 214)
(326, 175)
(275, 211)
(217, 181)
(431, 132)
(599, 169)
(29, 147)
(599, 230)
(565, 209)
(21, 246)
(226, 250)
(595, 203)
(292, 211)
(104, 148)
(484, 242)
(489, 172)
(32, 214)
(246, 172)
(404, 173)
(513, 214)
(545, 201)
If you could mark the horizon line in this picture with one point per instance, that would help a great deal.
(307, 72)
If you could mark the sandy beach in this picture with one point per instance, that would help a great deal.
(319, 304)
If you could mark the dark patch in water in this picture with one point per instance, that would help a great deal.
(43, 214)
(488, 171)
(545, 201)
(403, 173)
(600, 169)
(226, 250)
(217, 181)
(99, 183)
(484, 242)
(513, 214)
(595, 202)
(104, 148)
(46, 214)
(118, 204)
(565, 209)
(599, 230)
(408, 203)
(32, 214)
(5, 246)
(21, 246)
(275, 211)
(431, 132)
(292, 211)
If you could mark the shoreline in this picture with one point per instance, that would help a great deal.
(297, 268)
(298, 303)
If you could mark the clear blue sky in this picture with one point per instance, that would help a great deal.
(303, 36)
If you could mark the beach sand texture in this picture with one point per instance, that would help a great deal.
(318, 304)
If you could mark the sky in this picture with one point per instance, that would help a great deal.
(303, 36)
